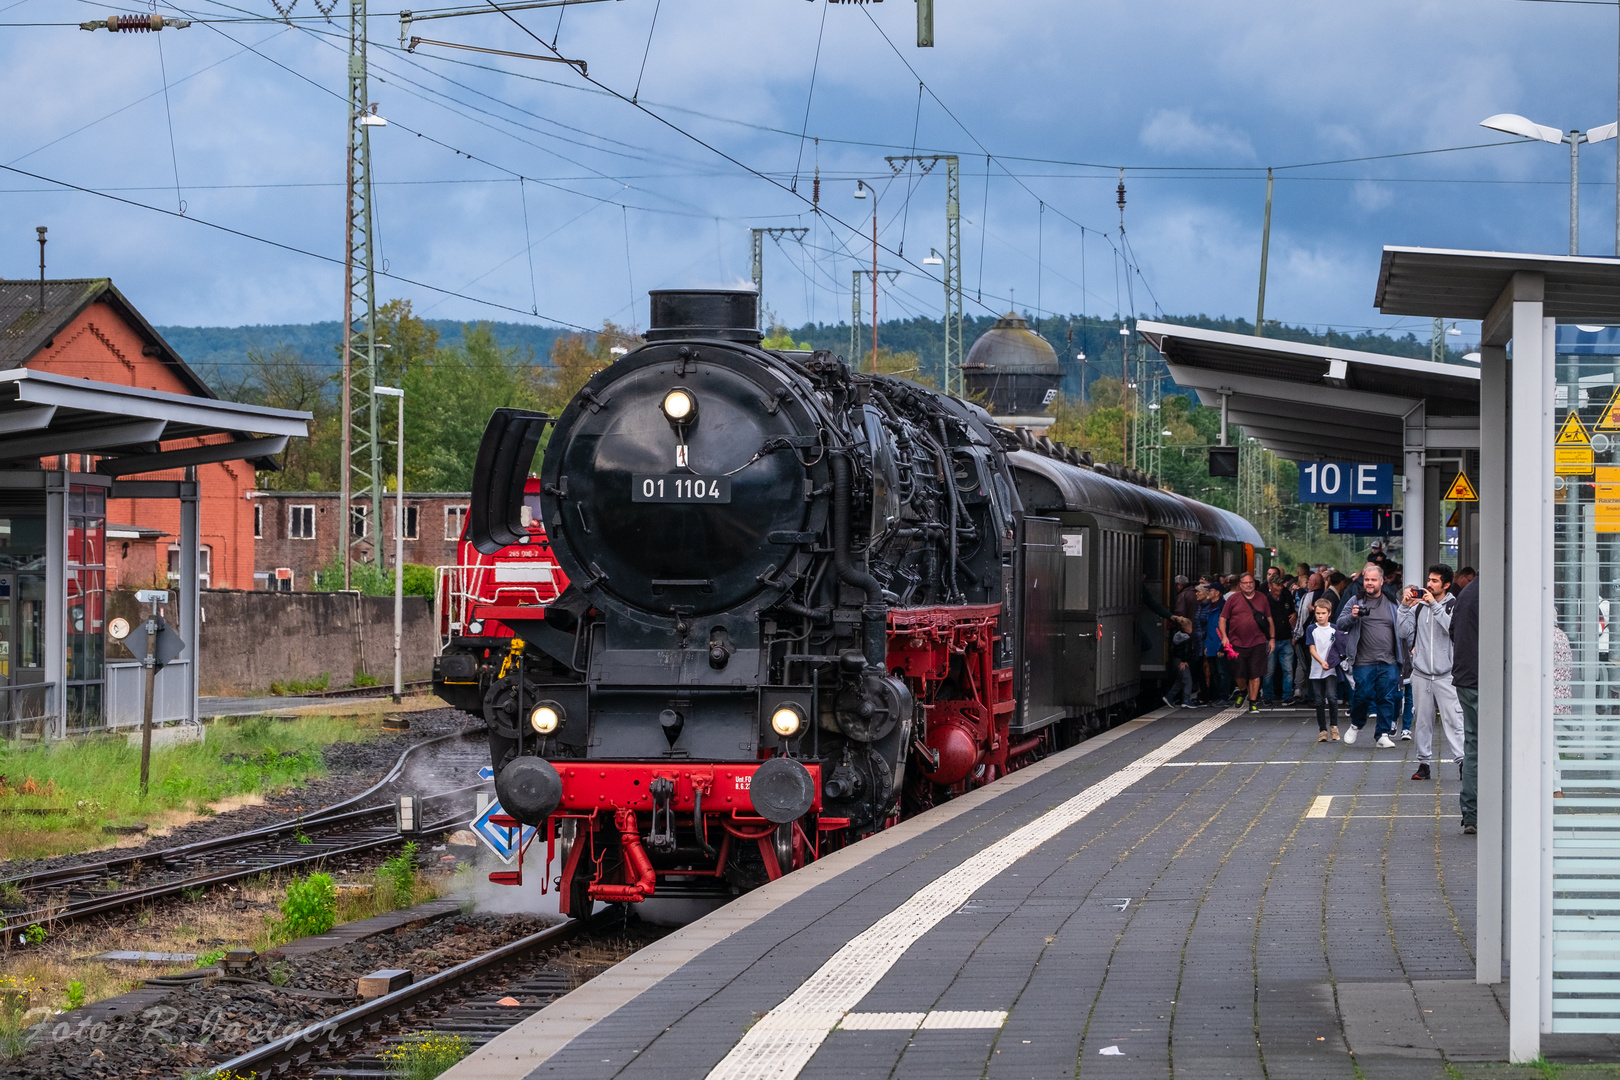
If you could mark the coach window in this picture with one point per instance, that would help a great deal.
(301, 522)
(1077, 569)
(454, 518)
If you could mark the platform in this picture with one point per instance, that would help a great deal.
(1190, 894)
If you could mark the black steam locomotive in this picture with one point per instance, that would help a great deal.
(802, 602)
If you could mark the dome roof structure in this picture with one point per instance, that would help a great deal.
(1012, 347)
(1012, 370)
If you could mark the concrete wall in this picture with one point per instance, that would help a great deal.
(251, 639)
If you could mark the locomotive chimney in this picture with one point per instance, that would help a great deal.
(727, 314)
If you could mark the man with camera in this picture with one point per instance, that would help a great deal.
(1428, 612)
(1375, 640)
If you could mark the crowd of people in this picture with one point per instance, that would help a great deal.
(1370, 646)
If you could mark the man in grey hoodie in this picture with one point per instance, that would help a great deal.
(1428, 612)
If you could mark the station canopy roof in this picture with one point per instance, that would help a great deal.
(1308, 402)
(1444, 284)
(44, 414)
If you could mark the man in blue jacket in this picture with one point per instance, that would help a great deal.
(1374, 643)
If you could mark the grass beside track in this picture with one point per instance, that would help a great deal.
(94, 782)
(243, 915)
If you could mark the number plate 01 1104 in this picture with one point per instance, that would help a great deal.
(680, 488)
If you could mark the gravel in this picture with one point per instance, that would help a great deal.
(209, 1021)
(351, 768)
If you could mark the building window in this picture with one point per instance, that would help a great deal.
(258, 521)
(454, 518)
(359, 521)
(283, 581)
(205, 566)
(410, 523)
(301, 522)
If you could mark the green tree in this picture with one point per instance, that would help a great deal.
(281, 379)
(448, 401)
(574, 359)
(780, 337)
(904, 365)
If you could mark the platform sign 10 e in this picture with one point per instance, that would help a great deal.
(1347, 482)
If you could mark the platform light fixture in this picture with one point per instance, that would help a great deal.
(1514, 124)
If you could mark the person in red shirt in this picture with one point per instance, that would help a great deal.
(1246, 629)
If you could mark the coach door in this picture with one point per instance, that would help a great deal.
(1156, 583)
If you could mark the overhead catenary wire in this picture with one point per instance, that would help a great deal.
(810, 96)
(168, 113)
(1128, 255)
(646, 52)
(285, 246)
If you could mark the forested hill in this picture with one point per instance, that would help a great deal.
(1097, 338)
(211, 348)
(219, 350)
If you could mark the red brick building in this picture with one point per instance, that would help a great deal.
(296, 533)
(87, 329)
(118, 466)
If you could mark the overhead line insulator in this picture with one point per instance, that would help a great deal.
(135, 24)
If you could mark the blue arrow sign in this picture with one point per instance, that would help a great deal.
(486, 773)
(504, 842)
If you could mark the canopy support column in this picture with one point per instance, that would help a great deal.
(1491, 871)
(1415, 531)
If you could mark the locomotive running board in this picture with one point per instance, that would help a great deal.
(505, 455)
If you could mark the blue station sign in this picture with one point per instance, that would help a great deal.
(1365, 521)
(1347, 482)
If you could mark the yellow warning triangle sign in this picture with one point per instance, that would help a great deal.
(1573, 433)
(1461, 490)
(1610, 420)
(1455, 519)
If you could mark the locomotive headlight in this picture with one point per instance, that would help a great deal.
(680, 406)
(475, 627)
(787, 720)
(545, 717)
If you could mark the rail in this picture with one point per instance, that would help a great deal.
(350, 814)
(300, 1046)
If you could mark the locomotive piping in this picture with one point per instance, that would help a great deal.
(951, 496)
(875, 615)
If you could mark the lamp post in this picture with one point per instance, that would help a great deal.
(1514, 124)
(399, 542)
(861, 191)
(936, 259)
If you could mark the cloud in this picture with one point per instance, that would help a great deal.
(1174, 131)
(1371, 196)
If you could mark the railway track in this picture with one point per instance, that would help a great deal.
(465, 1000)
(380, 690)
(347, 828)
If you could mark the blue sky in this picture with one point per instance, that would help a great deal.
(1193, 99)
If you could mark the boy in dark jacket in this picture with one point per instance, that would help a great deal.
(1184, 651)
